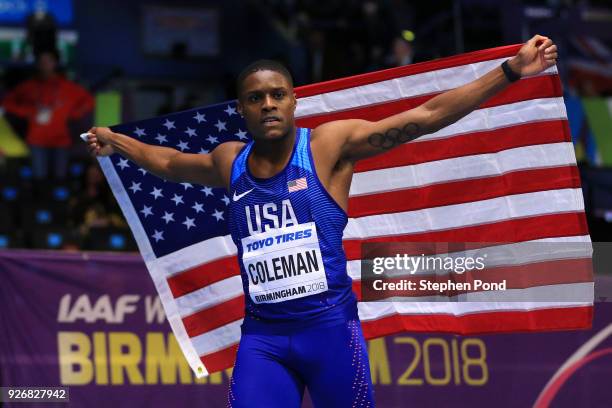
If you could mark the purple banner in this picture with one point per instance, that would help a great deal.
(93, 323)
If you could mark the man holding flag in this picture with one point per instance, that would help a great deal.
(289, 191)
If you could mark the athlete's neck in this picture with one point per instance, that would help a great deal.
(269, 157)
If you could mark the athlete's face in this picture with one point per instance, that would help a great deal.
(267, 103)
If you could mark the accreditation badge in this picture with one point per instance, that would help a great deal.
(284, 264)
(43, 116)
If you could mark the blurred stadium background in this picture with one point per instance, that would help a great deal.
(144, 58)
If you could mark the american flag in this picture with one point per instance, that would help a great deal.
(506, 172)
(297, 185)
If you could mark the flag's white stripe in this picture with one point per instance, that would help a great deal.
(399, 88)
(131, 216)
(553, 294)
(229, 334)
(463, 168)
(519, 253)
(195, 255)
(429, 219)
(496, 117)
(210, 295)
(466, 214)
(376, 310)
(217, 339)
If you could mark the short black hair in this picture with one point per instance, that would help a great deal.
(262, 65)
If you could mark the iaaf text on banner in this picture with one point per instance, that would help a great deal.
(506, 172)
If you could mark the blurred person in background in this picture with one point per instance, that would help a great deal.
(404, 51)
(95, 206)
(48, 102)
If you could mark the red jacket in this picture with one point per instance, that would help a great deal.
(48, 105)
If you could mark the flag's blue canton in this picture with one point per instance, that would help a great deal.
(178, 215)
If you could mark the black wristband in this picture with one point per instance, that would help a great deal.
(509, 73)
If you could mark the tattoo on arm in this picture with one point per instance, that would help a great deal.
(394, 136)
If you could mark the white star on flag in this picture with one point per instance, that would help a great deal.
(200, 117)
(183, 146)
(146, 211)
(157, 192)
(220, 125)
(169, 124)
(186, 185)
(168, 217)
(226, 200)
(135, 187)
(212, 139)
(143, 171)
(191, 132)
(218, 215)
(177, 199)
(161, 138)
(242, 135)
(140, 132)
(123, 163)
(203, 151)
(188, 222)
(198, 207)
(158, 235)
(230, 110)
(207, 191)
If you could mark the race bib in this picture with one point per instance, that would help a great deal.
(43, 116)
(284, 264)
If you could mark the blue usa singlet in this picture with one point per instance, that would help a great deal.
(301, 328)
(288, 231)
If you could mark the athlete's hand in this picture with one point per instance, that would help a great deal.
(99, 141)
(535, 56)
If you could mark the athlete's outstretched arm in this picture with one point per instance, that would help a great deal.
(169, 164)
(362, 139)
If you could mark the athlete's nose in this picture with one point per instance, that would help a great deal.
(268, 103)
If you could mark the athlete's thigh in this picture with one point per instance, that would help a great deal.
(260, 378)
(337, 372)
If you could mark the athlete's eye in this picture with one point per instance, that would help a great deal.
(279, 94)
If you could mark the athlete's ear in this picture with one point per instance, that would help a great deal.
(239, 107)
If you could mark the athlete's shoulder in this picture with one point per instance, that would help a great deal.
(227, 151)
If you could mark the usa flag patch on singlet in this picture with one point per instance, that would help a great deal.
(297, 185)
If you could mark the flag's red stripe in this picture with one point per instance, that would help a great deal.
(462, 191)
(531, 275)
(412, 69)
(491, 141)
(566, 318)
(203, 275)
(514, 230)
(214, 317)
(220, 360)
(532, 88)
